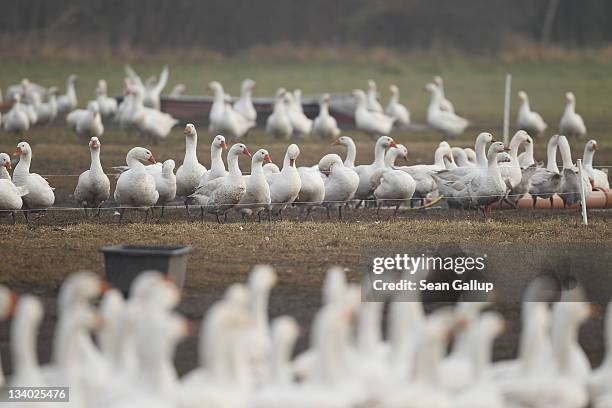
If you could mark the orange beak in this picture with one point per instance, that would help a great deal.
(12, 303)
(8, 165)
(506, 149)
(223, 144)
(393, 144)
(595, 147)
(104, 286)
(336, 142)
(246, 152)
(291, 162)
(186, 131)
(152, 159)
(18, 151)
(267, 158)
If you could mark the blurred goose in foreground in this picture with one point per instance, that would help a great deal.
(528, 120)
(599, 177)
(571, 123)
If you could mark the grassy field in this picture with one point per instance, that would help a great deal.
(36, 258)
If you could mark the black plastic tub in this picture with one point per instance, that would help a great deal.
(124, 262)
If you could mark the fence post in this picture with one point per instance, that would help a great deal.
(583, 206)
(507, 109)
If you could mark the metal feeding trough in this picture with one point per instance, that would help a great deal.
(125, 262)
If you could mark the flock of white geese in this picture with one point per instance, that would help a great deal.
(246, 360)
(467, 178)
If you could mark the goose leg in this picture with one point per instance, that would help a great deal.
(218, 219)
(377, 208)
(328, 215)
(85, 210)
(14, 217)
(280, 214)
(340, 212)
(259, 216)
(162, 212)
(242, 216)
(25, 214)
(187, 209)
(146, 220)
(552, 203)
(534, 199)
(201, 214)
(99, 209)
(395, 212)
(269, 215)
(225, 217)
(121, 212)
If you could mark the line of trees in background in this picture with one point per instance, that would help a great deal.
(231, 26)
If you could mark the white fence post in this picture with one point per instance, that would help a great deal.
(507, 110)
(585, 221)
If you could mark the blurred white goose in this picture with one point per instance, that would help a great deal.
(178, 90)
(47, 111)
(375, 124)
(284, 186)
(24, 334)
(218, 196)
(244, 105)
(571, 123)
(528, 120)
(569, 190)
(86, 123)
(165, 184)
(446, 122)
(340, 183)
(10, 194)
(217, 167)
(397, 110)
(153, 92)
(190, 172)
(16, 120)
(40, 194)
(526, 158)
(601, 378)
(8, 301)
(107, 105)
(365, 171)
(151, 122)
(93, 186)
(546, 181)
(325, 125)
(373, 104)
(256, 197)
(599, 177)
(445, 104)
(68, 101)
(136, 186)
(278, 123)
(351, 150)
(223, 118)
(300, 123)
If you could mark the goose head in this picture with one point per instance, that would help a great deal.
(81, 287)
(522, 95)
(141, 154)
(143, 284)
(102, 87)
(401, 151)
(371, 85)
(93, 108)
(335, 285)
(8, 301)
(591, 145)
(327, 161)
(293, 151)
(494, 150)
(219, 142)
(165, 295)
(325, 98)
(343, 141)
(190, 130)
(261, 156)
(385, 142)
(238, 295)
(23, 149)
(5, 161)
(569, 97)
(71, 79)
(431, 88)
(438, 81)
(168, 167)
(285, 328)
(248, 85)
(484, 138)
(262, 278)
(238, 149)
(215, 87)
(297, 94)
(522, 137)
(280, 93)
(94, 143)
(359, 96)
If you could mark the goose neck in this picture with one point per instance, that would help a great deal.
(379, 155)
(566, 154)
(96, 166)
(324, 108)
(570, 107)
(481, 154)
(23, 345)
(215, 157)
(587, 158)
(439, 156)
(191, 144)
(351, 153)
(390, 157)
(233, 166)
(23, 166)
(551, 156)
(4, 174)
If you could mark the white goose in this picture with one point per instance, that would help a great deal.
(8, 301)
(325, 125)
(151, 122)
(165, 183)
(599, 381)
(526, 158)
(256, 197)
(351, 150)
(528, 120)
(545, 182)
(278, 123)
(178, 90)
(223, 118)
(68, 101)
(10, 194)
(375, 124)
(190, 172)
(569, 190)
(312, 189)
(393, 187)
(397, 110)
(108, 106)
(340, 183)
(373, 104)
(284, 186)
(40, 194)
(365, 171)
(153, 91)
(301, 125)
(16, 120)
(446, 122)
(93, 186)
(461, 158)
(47, 111)
(571, 123)
(136, 186)
(217, 167)
(599, 177)
(445, 104)
(244, 105)
(86, 123)
(511, 172)
(218, 196)
(24, 333)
